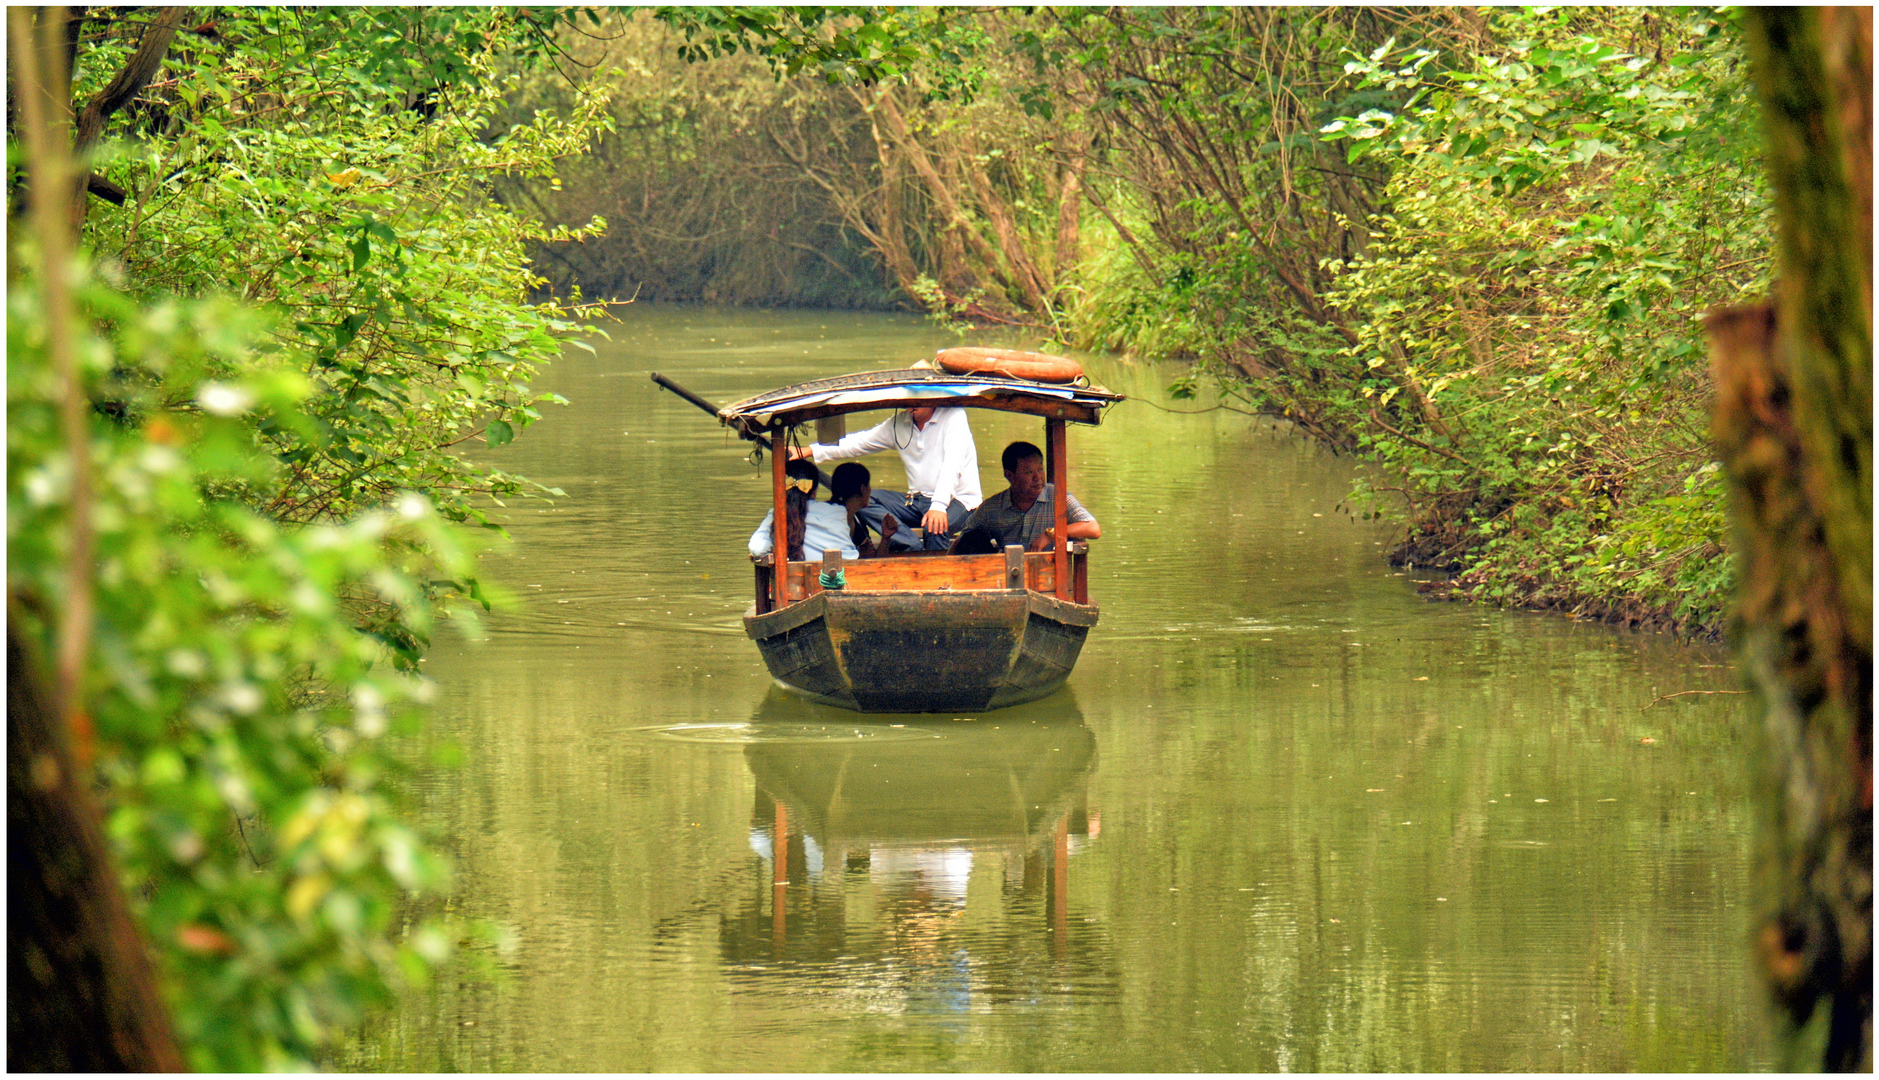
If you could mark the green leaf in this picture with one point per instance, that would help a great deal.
(348, 329)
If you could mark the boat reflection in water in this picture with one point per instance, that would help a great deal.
(921, 867)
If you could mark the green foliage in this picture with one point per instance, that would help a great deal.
(1215, 180)
(951, 315)
(371, 233)
(1118, 308)
(1476, 252)
(841, 45)
(237, 705)
(926, 141)
(309, 300)
(1561, 214)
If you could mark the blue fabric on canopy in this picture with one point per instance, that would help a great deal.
(903, 388)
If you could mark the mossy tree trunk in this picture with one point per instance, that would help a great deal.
(1793, 425)
(81, 992)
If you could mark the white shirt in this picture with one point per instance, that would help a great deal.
(825, 525)
(941, 459)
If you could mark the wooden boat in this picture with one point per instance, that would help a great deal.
(923, 632)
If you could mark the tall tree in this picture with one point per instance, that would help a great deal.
(82, 994)
(231, 412)
(1794, 425)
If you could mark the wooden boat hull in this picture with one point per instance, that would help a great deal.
(922, 651)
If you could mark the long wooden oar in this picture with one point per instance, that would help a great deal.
(713, 410)
(698, 401)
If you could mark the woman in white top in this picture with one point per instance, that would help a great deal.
(814, 526)
(851, 488)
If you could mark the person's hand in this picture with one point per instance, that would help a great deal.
(934, 523)
(1045, 541)
(797, 453)
(888, 525)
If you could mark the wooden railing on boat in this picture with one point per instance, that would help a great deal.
(1035, 570)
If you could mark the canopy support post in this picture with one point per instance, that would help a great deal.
(779, 458)
(1056, 466)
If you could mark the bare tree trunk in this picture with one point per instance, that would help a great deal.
(1066, 254)
(37, 43)
(130, 80)
(124, 86)
(882, 228)
(943, 197)
(1030, 281)
(954, 271)
(1793, 426)
(81, 994)
(891, 241)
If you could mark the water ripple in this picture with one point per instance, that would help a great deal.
(746, 734)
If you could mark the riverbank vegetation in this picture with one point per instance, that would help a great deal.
(271, 270)
(707, 173)
(265, 297)
(1471, 246)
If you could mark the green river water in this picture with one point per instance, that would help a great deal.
(1286, 816)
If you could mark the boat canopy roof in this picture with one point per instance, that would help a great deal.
(913, 387)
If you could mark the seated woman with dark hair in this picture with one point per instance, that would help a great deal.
(814, 526)
(850, 489)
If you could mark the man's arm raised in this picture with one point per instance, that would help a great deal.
(872, 441)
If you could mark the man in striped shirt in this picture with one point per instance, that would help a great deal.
(1022, 513)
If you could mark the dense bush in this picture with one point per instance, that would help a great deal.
(1561, 213)
(714, 177)
(307, 298)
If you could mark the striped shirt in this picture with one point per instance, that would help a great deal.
(996, 516)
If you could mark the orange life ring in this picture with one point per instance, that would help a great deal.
(1034, 366)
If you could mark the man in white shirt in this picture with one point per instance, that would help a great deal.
(942, 464)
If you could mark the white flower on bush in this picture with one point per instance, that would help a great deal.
(412, 506)
(369, 710)
(221, 399)
(243, 698)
